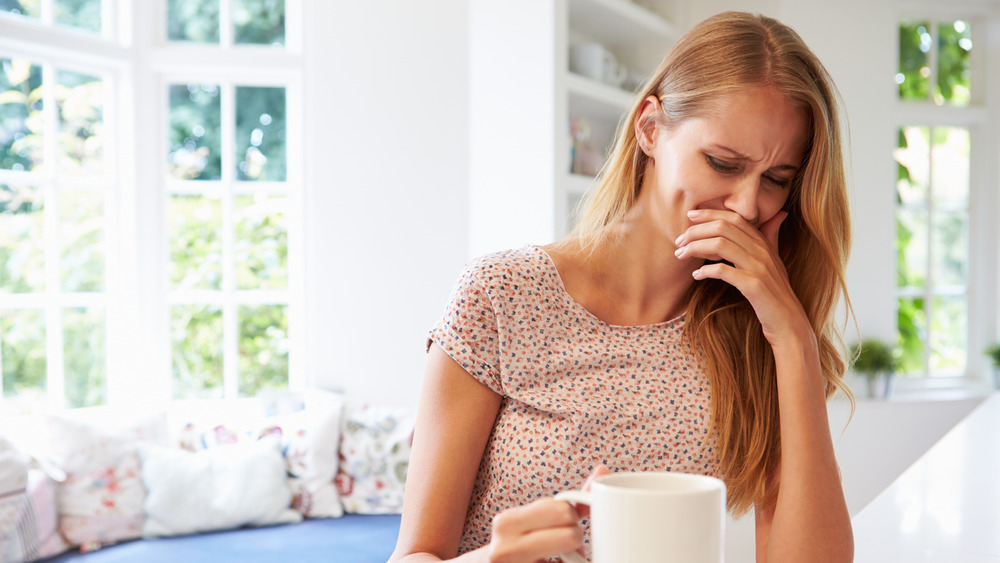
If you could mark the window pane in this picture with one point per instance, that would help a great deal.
(948, 334)
(84, 357)
(261, 242)
(911, 320)
(195, 139)
(196, 337)
(914, 73)
(30, 8)
(950, 159)
(950, 248)
(81, 233)
(259, 21)
(81, 14)
(913, 165)
(81, 123)
(22, 350)
(911, 248)
(263, 349)
(195, 241)
(260, 133)
(954, 69)
(193, 20)
(20, 115)
(22, 240)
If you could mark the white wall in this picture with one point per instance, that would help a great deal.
(386, 199)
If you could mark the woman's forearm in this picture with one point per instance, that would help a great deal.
(810, 521)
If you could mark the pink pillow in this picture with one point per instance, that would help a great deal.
(101, 500)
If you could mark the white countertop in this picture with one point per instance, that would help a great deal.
(945, 507)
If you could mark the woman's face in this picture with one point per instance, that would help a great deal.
(741, 155)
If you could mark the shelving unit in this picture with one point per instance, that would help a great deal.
(522, 97)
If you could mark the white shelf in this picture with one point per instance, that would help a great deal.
(595, 99)
(618, 21)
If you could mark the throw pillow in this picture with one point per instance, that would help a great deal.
(217, 489)
(374, 456)
(310, 439)
(101, 500)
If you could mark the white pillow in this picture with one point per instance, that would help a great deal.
(218, 489)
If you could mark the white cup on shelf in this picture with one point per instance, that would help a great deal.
(595, 61)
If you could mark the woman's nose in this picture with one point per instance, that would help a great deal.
(743, 198)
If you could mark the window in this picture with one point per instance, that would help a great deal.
(941, 120)
(213, 199)
(56, 190)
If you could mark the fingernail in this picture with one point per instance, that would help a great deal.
(679, 251)
(694, 213)
(696, 274)
(679, 241)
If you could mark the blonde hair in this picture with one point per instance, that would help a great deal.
(726, 53)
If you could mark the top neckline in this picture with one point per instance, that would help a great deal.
(561, 287)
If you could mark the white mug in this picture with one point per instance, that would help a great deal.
(654, 517)
(595, 61)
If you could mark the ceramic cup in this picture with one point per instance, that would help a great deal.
(595, 61)
(654, 517)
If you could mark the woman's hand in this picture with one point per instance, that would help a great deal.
(541, 529)
(754, 266)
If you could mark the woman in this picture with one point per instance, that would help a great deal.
(686, 325)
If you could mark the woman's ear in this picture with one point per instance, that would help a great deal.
(646, 124)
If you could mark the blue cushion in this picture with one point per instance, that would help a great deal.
(353, 538)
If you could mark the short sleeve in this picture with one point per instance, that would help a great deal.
(467, 331)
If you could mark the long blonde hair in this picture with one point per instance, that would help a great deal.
(726, 53)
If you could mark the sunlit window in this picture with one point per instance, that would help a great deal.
(54, 189)
(227, 216)
(222, 191)
(934, 161)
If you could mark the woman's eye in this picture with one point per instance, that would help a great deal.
(721, 166)
(778, 182)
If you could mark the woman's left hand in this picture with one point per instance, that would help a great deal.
(754, 266)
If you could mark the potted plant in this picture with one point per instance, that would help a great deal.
(878, 362)
(993, 351)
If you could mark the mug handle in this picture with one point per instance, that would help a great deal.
(579, 497)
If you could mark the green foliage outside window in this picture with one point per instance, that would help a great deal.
(953, 73)
(263, 363)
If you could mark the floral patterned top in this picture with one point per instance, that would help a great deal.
(577, 392)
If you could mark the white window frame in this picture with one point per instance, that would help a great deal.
(981, 119)
(132, 52)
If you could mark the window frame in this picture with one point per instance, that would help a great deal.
(980, 119)
(133, 54)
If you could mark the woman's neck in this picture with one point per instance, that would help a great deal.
(628, 277)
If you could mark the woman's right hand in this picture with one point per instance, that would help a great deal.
(534, 531)
(541, 529)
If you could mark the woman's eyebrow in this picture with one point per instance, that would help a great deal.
(740, 156)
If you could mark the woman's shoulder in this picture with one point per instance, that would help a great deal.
(528, 258)
(510, 269)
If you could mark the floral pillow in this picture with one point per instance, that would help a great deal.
(101, 500)
(374, 456)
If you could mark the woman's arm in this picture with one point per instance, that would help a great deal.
(454, 421)
(809, 520)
